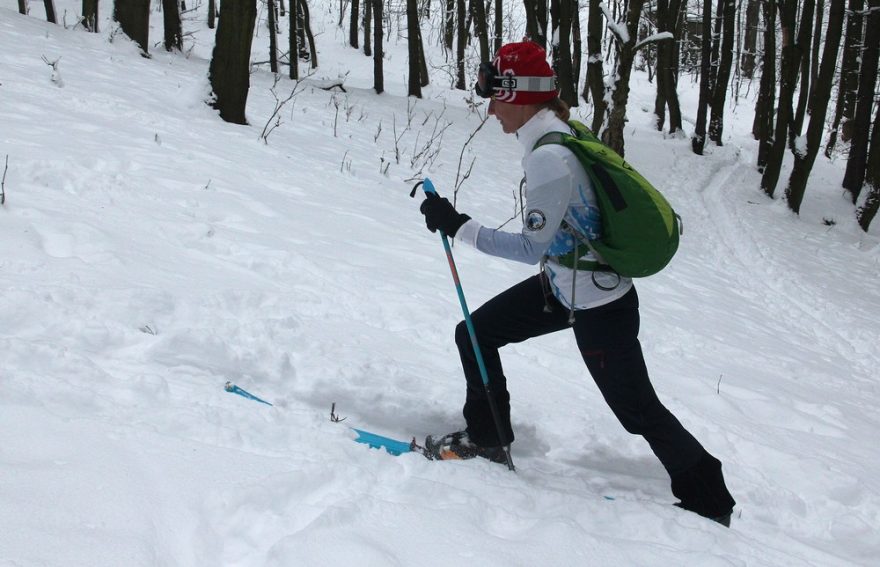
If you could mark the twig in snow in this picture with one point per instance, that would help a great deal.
(718, 388)
(3, 183)
(333, 417)
(459, 177)
(279, 104)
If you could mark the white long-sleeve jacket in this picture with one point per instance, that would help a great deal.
(557, 189)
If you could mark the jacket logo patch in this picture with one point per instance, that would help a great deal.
(535, 220)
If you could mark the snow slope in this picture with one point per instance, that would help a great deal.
(149, 253)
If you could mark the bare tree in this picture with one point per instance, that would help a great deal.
(847, 87)
(536, 21)
(668, 20)
(448, 24)
(461, 45)
(413, 38)
(229, 71)
(791, 56)
(378, 54)
(90, 15)
(561, 13)
(804, 40)
(698, 142)
(22, 7)
(763, 125)
(499, 26)
(171, 21)
(722, 77)
(856, 166)
(353, 24)
(293, 39)
(50, 11)
(627, 48)
(819, 98)
(868, 210)
(595, 84)
(212, 13)
(368, 27)
(273, 36)
(750, 39)
(134, 19)
(306, 29)
(481, 28)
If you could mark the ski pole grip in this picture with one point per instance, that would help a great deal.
(426, 186)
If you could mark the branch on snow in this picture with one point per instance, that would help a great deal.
(3, 183)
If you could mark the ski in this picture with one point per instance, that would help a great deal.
(392, 446)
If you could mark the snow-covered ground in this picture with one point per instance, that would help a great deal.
(149, 253)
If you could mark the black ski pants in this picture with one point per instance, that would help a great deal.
(607, 337)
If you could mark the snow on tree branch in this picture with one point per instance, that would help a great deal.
(653, 39)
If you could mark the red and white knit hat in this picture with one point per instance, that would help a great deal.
(527, 62)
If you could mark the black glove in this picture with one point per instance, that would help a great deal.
(440, 214)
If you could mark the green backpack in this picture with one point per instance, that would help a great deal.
(639, 228)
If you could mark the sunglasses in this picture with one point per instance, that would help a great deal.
(490, 80)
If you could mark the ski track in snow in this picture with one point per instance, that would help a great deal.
(151, 253)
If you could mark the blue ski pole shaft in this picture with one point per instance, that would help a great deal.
(428, 187)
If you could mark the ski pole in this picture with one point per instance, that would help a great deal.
(428, 187)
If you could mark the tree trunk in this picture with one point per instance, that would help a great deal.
(858, 149)
(819, 97)
(499, 25)
(804, 40)
(613, 134)
(368, 27)
(677, 9)
(449, 24)
(536, 21)
(868, 210)
(378, 54)
(307, 29)
(353, 24)
(849, 77)
(90, 15)
(229, 72)
(212, 13)
(50, 11)
(698, 142)
(790, 63)
(722, 78)
(293, 39)
(763, 126)
(577, 48)
(750, 39)
(22, 7)
(716, 45)
(481, 28)
(817, 41)
(663, 54)
(460, 47)
(171, 21)
(668, 20)
(595, 74)
(561, 53)
(134, 19)
(273, 37)
(412, 37)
